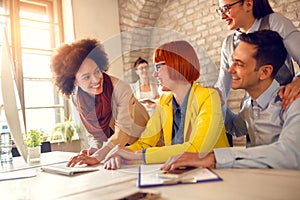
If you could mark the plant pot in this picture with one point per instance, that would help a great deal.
(34, 154)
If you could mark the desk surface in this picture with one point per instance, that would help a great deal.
(103, 184)
(46, 159)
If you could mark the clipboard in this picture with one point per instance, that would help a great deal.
(148, 177)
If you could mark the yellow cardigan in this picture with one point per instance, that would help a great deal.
(203, 128)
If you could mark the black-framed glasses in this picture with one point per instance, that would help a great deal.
(226, 8)
(157, 66)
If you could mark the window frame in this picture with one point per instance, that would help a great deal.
(55, 22)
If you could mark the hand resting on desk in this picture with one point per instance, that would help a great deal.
(188, 159)
(119, 155)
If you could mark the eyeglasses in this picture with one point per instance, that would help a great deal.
(157, 66)
(226, 8)
(142, 68)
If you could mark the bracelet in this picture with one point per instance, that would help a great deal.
(143, 155)
(214, 160)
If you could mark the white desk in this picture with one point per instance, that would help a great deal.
(103, 184)
(46, 159)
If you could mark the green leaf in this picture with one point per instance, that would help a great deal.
(33, 138)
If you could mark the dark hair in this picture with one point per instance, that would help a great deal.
(181, 56)
(270, 48)
(139, 61)
(68, 58)
(261, 8)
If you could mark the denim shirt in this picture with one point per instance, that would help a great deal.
(178, 119)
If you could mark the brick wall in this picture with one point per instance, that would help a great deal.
(145, 24)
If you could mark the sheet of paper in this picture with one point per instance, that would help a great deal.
(17, 174)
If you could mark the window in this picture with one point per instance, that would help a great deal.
(34, 30)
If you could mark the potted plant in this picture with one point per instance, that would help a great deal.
(33, 141)
(65, 131)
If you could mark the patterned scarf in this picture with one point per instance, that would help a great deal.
(96, 112)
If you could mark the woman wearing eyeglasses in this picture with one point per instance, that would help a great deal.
(145, 89)
(246, 16)
(106, 105)
(187, 118)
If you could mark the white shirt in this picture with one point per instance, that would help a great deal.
(276, 134)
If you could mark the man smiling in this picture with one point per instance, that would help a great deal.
(274, 132)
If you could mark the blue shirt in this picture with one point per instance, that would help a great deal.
(178, 119)
(276, 141)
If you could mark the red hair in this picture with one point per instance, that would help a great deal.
(181, 56)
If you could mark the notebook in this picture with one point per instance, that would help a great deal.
(68, 171)
(149, 176)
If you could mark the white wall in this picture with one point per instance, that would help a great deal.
(100, 19)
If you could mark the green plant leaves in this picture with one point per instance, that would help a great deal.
(33, 138)
(65, 130)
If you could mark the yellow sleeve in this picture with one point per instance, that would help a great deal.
(152, 135)
(203, 127)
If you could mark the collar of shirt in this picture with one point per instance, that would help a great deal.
(183, 106)
(254, 27)
(265, 98)
(178, 120)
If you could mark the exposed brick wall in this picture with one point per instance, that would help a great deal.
(194, 20)
(135, 17)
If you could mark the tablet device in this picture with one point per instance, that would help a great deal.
(143, 195)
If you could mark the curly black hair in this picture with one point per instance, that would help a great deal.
(68, 58)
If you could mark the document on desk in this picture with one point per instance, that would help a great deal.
(68, 171)
(149, 176)
(17, 174)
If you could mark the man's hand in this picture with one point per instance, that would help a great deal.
(290, 92)
(188, 159)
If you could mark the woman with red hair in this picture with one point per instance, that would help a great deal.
(187, 118)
